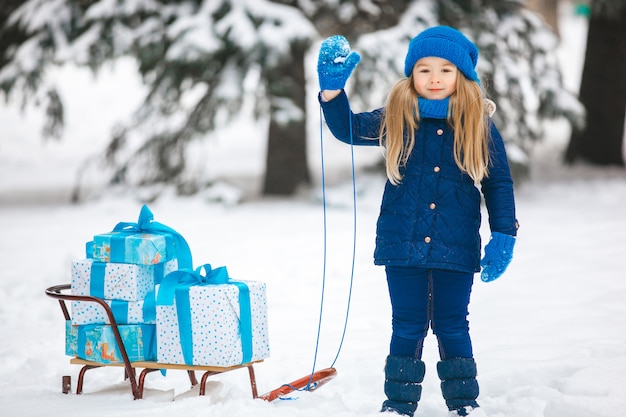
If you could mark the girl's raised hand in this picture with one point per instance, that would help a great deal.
(335, 63)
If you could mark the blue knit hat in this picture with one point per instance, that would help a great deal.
(447, 43)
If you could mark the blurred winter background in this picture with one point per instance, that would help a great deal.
(226, 149)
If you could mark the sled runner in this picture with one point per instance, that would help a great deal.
(308, 383)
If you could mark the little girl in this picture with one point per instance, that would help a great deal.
(440, 147)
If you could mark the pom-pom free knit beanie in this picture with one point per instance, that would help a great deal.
(447, 43)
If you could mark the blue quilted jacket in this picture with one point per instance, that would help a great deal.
(432, 218)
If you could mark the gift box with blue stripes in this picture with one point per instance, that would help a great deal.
(210, 319)
(96, 342)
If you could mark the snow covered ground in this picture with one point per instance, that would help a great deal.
(549, 336)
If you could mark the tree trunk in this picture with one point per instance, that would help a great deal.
(286, 163)
(549, 10)
(602, 91)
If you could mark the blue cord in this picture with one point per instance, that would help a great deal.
(323, 181)
(345, 325)
(319, 322)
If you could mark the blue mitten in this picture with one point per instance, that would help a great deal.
(335, 63)
(498, 255)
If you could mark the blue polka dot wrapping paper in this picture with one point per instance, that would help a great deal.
(215, 322)
(117, 281)
(125, 312)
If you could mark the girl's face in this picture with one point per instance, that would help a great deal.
(434, 78)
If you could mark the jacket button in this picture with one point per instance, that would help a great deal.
(432, 206)
(427, 239)
(436, 169)
(440, 132)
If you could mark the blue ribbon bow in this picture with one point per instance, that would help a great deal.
(176, 286)
(146, 224)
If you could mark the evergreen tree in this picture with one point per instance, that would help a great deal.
(195, 55)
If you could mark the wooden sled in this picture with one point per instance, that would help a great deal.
(310, 382)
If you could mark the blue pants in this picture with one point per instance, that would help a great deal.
(435, 298)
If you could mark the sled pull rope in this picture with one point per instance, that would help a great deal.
(353, 261)
(325, 239)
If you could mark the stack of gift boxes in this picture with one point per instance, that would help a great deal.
(165, 310)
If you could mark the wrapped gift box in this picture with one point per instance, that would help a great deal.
(117, 281)
(146, 242)
(133, 248)
(214, 312)
(71, 339)
(124, 312)
(97, 343)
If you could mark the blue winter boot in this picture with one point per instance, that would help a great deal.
(403, 376)
(458, 384)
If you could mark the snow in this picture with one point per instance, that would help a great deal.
(549, 336)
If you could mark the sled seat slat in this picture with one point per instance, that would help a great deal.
(157, 365)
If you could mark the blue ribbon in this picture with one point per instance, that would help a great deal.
(146, 224)
(96, 289)
(119, 309)
(96, 279)
(159, 272)
(176, 286)
(149, 307)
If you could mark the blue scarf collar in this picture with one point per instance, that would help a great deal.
(433, 109)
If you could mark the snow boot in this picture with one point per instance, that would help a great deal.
(403, 378)
(458, 384)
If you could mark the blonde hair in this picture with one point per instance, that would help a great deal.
(466, 114)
